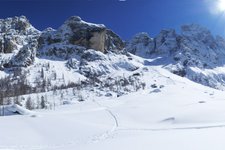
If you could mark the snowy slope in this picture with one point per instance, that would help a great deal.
(180, 112)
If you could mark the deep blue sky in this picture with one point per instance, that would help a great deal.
(125, 18)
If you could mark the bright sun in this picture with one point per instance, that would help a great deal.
(221, 5)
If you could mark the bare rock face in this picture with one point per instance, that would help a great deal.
(18, 40)
(141, 45)
(85, 34)
(26, 56)
(15, 33)
(113, 41)
(166, 42)
(88, 35)
(8, 45)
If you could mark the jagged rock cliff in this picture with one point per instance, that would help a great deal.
(77, 54)
(20, 41)
(15, 33)
(76, 32)
(194, 53)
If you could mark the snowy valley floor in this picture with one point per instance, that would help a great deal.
(181, 115)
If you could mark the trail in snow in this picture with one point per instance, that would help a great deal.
(106, 135)
(94, 138)
(117, 128)
(114, 128)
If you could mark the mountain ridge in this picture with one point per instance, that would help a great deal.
(194, 53)
(83, 56)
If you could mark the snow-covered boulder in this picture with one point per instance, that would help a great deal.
(14, 109)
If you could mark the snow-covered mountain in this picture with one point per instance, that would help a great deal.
(94, 90)
(76, 34)
(85, 54)
(20, 41)
(193, 53)
(78, 53)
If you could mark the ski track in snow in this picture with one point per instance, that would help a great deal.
(114, 128)
(106, 135)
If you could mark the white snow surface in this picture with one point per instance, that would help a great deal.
(177, 114)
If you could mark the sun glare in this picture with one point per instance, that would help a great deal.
(221, 5)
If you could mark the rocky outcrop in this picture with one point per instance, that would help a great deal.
(78, 32)
(141, 45)
(166, 42)
(26, 56)
(84, 34)
(20, 41)
(113, 41)
(15, 33)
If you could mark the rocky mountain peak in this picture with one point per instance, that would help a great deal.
(16, 35)
(141, 37)
(84, 34)
(141, 44)
(74, 19)
(193, 40)
(188, 54)
(79, 23)
(76, 32)
(16, 24)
